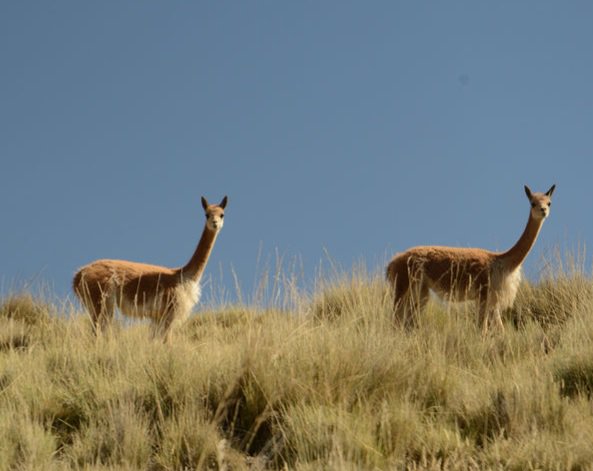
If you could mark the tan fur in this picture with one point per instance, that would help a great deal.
(462, 274)
(164, 295)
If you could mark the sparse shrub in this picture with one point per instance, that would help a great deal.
(357, 296)
(189, 442)
(26, 321)
(24, 442)
(121, 437)
(228, 321)
(14, 335)
(245, 414)
(25, 308)
(333, 303)
(324, 434)
(398, 426)
(576, 376)
(488, 422)
(553, 301)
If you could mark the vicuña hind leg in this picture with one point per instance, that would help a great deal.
(100, 305)
(498, 319)
(417, 298)
(400, 284)
(409, 290)
(483, 316)
(489, 315)
(162, 327)
(409, 306)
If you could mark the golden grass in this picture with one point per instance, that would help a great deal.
(327, 384)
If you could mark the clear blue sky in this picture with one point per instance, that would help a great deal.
(356, 128)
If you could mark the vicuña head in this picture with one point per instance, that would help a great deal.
(460, 274)
(540, 202)
(164, 295)
(214, 214)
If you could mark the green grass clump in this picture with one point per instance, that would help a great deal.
(330, 383)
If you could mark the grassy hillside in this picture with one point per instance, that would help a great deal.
(330, 384)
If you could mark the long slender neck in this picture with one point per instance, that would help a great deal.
(514, 257)
(197, 263)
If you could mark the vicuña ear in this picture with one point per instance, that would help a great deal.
(550, 191)
(204, 203)
(223, 203)
(528, 192)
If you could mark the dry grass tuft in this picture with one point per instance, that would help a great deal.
(23, 307)
(332, 384)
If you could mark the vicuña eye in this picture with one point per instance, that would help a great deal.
(533, 205)
(222, 216)
(549, 204)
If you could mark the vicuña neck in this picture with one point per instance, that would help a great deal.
(514, 257)
(197, 263)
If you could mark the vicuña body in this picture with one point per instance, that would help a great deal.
(164, 295)
(461, 274)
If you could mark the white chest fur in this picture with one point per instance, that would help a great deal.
(181, 300)
(504, 287)
(187, 295)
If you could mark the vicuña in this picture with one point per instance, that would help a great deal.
(461, 274)
(164, 295)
